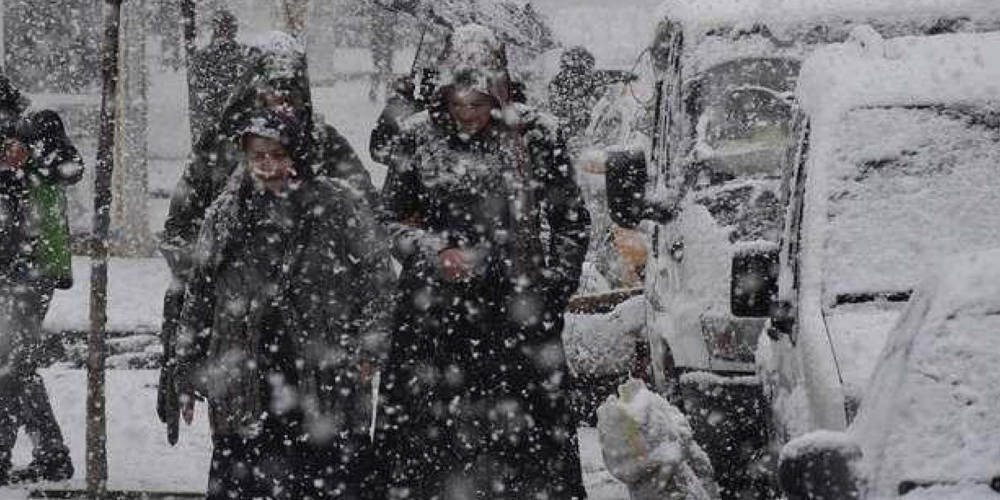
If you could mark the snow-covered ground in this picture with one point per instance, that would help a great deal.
(140, 459)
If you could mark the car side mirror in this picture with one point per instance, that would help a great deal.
(820, 465)
(626, 178)
(782, 320)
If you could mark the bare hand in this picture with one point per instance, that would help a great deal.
(187, 408)
(455, 264)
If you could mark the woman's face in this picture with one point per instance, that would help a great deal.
(471, 111)
(269, 162)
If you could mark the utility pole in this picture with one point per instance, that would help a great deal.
(97, 455)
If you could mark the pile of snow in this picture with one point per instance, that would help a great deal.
(648, 444)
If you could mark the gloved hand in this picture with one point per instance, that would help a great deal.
(168, 401)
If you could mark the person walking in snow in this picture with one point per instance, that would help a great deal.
(574, 91)
(276, 79)
(37, 161)
(475, 405)
(215, 70)
(286, 314)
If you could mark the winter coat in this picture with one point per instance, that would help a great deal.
(36, 233)
(288, 294)
(216, 155)
(474, 380)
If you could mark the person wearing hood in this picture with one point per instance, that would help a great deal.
(276, 79)
(37, 161)
(491, 230)
(286, 314)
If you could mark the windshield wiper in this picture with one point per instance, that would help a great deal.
(863, 298)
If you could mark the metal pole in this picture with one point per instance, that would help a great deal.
(97, 459)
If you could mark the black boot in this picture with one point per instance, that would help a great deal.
(55, 468)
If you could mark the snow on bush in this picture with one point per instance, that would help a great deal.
(648, 444)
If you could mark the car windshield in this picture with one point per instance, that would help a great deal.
(741, 114)
(905, 187)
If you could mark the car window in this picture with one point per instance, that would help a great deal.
(740, 119)
(906, 187)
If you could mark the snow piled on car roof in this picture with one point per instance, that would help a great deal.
(910, 71)
(722, 12)
(932, 412)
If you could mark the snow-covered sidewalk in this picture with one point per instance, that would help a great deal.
(135, 297)
(139, 457)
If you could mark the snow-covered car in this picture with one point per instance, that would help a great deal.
(929, 426)
(895, 170)
(725, 127)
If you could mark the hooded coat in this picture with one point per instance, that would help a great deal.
(278, 62)
(296, 286)
(474, 384)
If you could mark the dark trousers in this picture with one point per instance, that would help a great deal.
(281, 464)
(23, 397)
(261, 467)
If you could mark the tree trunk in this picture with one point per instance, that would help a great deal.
(190, 34)
(97, 459)
(132, 236)
(3, 35)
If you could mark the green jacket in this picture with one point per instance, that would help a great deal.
(38, 197)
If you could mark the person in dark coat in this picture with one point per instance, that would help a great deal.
(215, 71)
(574, 91)
(400, 106)
(278, 80)
(286, 315)
(491, 230)
(37, 161)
